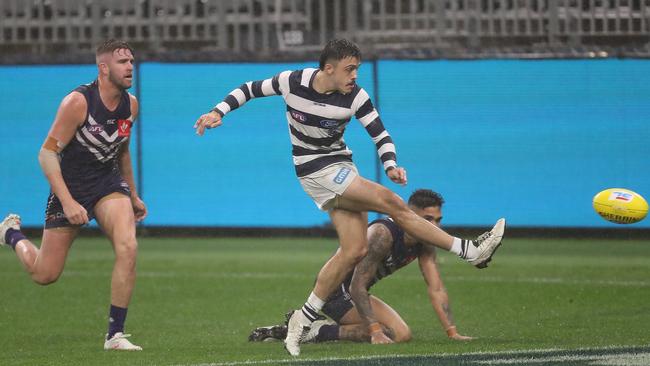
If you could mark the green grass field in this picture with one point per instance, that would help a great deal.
(196, 300)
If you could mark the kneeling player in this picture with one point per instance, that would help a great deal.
(359, 316)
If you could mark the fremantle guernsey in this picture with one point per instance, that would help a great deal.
(89, 163)
(316, 121)
(400, 254)
(93, 150)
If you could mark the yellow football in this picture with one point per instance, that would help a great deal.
(620, 206)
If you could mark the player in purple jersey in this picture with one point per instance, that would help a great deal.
(320, 102)
(87, 163)
(352, 308)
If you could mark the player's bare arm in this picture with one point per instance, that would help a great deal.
(379, 244)
(71, 114)
(126, 169)
(438, 294)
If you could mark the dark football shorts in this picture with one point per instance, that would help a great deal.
(87, 194)
(339, 303)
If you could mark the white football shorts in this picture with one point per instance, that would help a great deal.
(327, 184)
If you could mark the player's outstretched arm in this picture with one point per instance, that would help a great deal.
(368, 116)
(239, 96)
(126, 169)
(379, 244)
(438, 294)
(71, 114)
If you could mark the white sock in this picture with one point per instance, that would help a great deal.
(456, 246)
(315, 302)
(312, 307)
(464, 249)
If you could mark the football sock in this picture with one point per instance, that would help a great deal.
(328, 333)
(13, 236)
(312, 307)
(116, 319)
(464, 248)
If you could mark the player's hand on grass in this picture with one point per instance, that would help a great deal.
(452, 333)
(459, 337)
(380, 338)
(75, 213)
(139, 208)
(397, 175)
(209, 120)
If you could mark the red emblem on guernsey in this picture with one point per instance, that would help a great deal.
(123, 127)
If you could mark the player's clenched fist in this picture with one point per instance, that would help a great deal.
(209, 120)
(397, 175)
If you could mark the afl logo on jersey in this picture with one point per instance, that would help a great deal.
(299, 116)
(95, 130)
(123, 127)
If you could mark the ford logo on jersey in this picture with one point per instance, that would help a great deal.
(329, 123)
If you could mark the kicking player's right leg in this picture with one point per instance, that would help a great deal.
(364, 195)
(44, 265)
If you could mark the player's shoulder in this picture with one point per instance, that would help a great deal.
(300, 76)
(134, 104)
(386, 222)
(75, 100)
(380, 240)
(382, 228)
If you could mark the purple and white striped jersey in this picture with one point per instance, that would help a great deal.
(93, 150)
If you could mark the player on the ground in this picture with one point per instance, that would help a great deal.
(87, 163)
(320, 103)
(352, 308)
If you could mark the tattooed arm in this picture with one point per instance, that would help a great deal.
(438, 293)
(380, 242)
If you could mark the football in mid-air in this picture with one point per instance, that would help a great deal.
(620, 206)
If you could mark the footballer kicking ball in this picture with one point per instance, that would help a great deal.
(620, 206)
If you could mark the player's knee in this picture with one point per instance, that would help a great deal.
(45, 279)
(355, 255)
(126, 248)
(402, 334)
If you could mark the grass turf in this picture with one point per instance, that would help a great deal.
(196, 300)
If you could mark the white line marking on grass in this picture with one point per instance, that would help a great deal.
(621, 359)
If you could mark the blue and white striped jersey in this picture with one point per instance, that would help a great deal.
(316, 121)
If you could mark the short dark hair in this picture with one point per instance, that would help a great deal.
(111, 45)
(338, 49)
(423, 198)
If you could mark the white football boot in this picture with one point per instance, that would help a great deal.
(315, 328)
(120, 343)
(297, 329)
(12, 221)
(488, 243)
